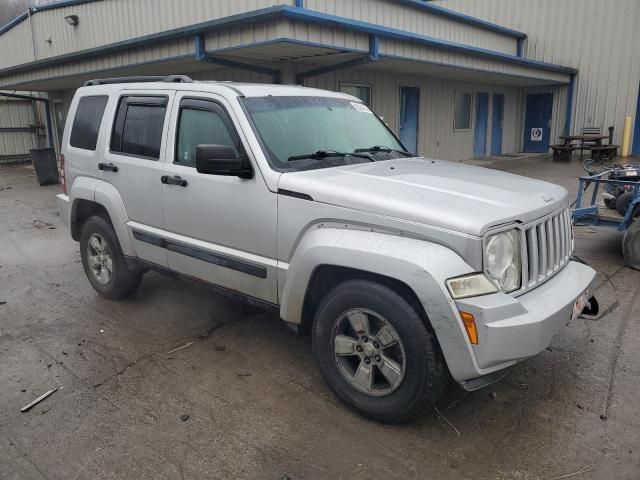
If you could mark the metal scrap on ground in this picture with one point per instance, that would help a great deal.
(38, 400)
(186, 345)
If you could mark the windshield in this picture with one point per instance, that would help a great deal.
(302, 133)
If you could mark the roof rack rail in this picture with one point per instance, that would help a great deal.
(157, 78)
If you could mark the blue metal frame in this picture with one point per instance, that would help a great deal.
(372, 56)
(590, 213)
(47, 110)
(202, 56)
(519, 47)
(569, 112)
(304, 15)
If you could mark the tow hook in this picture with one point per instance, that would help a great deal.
(591, 307)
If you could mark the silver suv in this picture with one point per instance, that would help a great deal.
(404, 270)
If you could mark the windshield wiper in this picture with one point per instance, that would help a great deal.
(383, 149)
(323, 154)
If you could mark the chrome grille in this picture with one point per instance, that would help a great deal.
(547, 245)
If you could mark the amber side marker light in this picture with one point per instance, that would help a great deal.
(470, 327)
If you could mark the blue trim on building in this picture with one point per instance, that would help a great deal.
(461, 17)
(201, 55)
(292, 13)
(569, 112)
(519, 47)
(14, 22)
(419, 4)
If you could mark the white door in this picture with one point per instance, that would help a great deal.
(221, 229)
(133, 162)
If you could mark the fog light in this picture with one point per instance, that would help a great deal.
(470, 327)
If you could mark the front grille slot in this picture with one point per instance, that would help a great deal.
(547, 247)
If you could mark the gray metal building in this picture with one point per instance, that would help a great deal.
(452, 82)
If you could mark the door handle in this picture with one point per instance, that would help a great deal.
(181, 182)
(110, 167)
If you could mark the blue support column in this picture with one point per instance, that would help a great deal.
(300, 3)
(519, 47)
(569, 112)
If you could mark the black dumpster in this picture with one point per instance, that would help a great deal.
(45, 165)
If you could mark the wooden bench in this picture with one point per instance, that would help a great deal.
(562, 152)
(603, 152)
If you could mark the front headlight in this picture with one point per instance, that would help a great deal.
(502, 259)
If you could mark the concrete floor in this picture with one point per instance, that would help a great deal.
(257, 406)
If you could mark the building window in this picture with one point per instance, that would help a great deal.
(462, 112)
(138, 128)
(363, 92)
(86, 124)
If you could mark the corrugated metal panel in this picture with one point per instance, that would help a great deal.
(416, 20)
(17, 45)
(109, 21)
(598, 38)
(19, 116)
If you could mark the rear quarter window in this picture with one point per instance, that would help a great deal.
(86, 124)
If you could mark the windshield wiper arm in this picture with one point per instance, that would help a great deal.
(323, 154)
(381, 148)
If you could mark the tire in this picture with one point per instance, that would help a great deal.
(610, 203)
(119, 282)
(623, 202)
(631, 246)
(417, 352)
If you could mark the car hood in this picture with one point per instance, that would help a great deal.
(454, 196)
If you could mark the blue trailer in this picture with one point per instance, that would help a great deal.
(590, 208)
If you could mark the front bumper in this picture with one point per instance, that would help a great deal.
(64, 208)
(512, 329)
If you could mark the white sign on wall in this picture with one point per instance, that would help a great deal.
(536, 134)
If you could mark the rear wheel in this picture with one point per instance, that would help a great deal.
(103, 260)
(376, 352)
(623, 202)
(631, 246)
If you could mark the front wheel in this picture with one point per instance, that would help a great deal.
(103, 261)
(377, 353)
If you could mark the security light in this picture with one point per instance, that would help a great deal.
(71, 20)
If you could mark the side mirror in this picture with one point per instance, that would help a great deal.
(222, 160)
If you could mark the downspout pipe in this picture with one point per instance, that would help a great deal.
(47, 111)
(569, 112)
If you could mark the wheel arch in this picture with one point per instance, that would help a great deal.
(90, 196)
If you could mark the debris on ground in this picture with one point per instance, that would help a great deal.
(184, 418)
(585, 469)
(603, 417)
(219, 348)
(186, 345)
(5, 188)
(38, 400)
(245, 374)
(493, 395)
(446, 420)
(3, 302)
(45, 410)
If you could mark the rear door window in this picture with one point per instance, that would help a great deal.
(138, 128)
(86, 124)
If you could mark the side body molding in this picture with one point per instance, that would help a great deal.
(421, 265)
(105, 194)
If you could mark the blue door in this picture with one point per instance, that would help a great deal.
(496, 124)
(482, 119)
(635, 150)
(537, 122)
(409, 112)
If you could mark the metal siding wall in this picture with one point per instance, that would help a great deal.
(21, 46)
(598, 38)
(18, 113)
(436, 136)
(412, 19)
(418, 52)
(110, 21)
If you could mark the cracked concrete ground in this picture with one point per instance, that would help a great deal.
(256, 405)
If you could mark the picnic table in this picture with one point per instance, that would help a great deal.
(592, 143)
